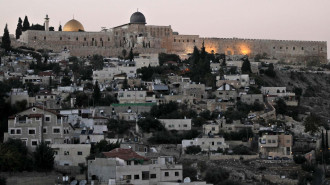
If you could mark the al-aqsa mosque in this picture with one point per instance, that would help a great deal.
(144, 38)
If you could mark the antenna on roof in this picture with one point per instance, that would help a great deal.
(137, 10)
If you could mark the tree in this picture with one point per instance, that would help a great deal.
(312, 123)
(149, 124)
(326, 140)
(66, 81)
(14, 156)
(6, 43)
(281, 106)
(131, 55)
(125, 84)
(44, 157)
(60, 28)
(270, 71)
(246, 66)
(97, 62)
(124, 52)
(96, 93)
(322, 140)
(19, 28)
(26, 24)
(215, 175)
(3, 180)
(119, 127)
(193, 149)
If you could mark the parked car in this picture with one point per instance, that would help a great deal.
(277, 158)
(252, 116)
(270, 157)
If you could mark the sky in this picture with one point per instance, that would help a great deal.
(255, 19)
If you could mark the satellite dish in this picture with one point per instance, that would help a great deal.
(75, 182)
(83, 182)
(186, 180)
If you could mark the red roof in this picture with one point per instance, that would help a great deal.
(35, 115)
(125, 154)
(46, 73)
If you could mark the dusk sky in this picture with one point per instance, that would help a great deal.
(257, 19)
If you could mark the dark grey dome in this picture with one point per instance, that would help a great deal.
(138, 18)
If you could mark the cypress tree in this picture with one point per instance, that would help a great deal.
(131, 55)
(246, 66)
(203, 52)
(6, 39)
(19, 28)
(26, 24)
(326, 140)
(322, 140)
(96, 93)
(60, 28)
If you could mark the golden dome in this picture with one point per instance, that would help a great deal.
(73, 25)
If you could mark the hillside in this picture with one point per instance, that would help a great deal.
(315, 90)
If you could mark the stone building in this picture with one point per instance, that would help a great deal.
(176, 124)
(275, 142)
(207, 143)
(124, 166)
(153, 39)
(36, 125)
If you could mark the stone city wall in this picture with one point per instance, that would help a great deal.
(155, 39)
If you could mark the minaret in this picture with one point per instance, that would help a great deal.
(46, 23)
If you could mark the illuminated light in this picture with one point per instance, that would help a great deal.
(245, 50)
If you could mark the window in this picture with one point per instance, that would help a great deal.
(44, 130)
(32, 131)
(219, 143)
(66, 153)
(60, 38)
(56, 130)
(273, 141)
(79, 153)
(38, 97)
(18, 131)
(136, 176)
(294, 48)
(153, 176)
(176, 173)
(47, 118)
(269, 141)
(167, 174)
(145, 175)
(288, 141)
(273, 47)
(55, 153)
(34, 143)
(302, 48)
(37, 118)
(136, 162)
(48, 142)
(128, 162)
(127, 177)
(213, 128)
(44, 38)
(77, 38)
(185, 125)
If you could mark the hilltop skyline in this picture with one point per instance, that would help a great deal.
(254, 19)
